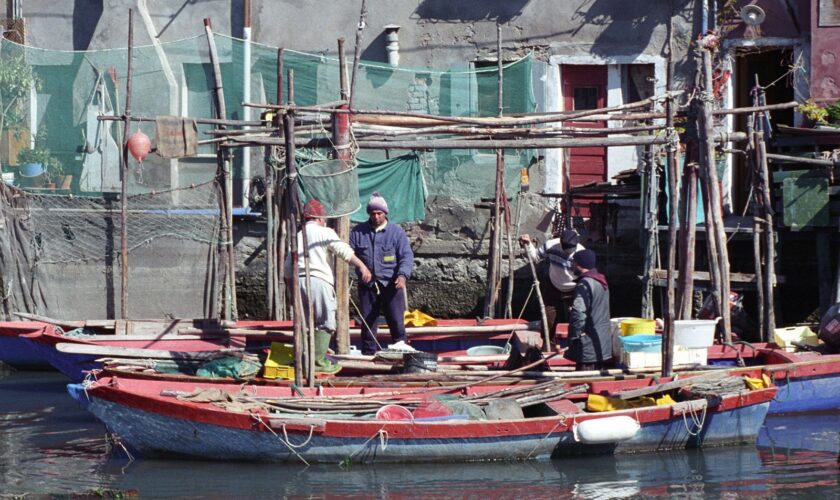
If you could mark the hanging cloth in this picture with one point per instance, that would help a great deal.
(400, 181)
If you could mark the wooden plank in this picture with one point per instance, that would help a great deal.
(676, 384)
(132, 352)
(661, 274)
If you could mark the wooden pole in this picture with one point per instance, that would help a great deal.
(278, 232)
(124, 177)
(493, 260)
(341, 139)
(769, 238)
(688, 233)
(716, 212)
(357, 51)
(757, 212)
(223, 160)
(528, 143)
(673, 222)
(538, 292)
(292, 210)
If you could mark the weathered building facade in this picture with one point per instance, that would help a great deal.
(588, 54)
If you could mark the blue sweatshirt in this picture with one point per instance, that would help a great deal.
(385, 251)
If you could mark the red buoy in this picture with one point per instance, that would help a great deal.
(139, 145)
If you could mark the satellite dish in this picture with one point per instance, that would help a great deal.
(753, 15)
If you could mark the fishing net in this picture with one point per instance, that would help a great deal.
(60, 251)
(334, 183)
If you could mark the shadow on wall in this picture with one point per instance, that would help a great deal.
(447, 11)
(626, 30)
(86, 17)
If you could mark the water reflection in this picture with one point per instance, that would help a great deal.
(49, 445)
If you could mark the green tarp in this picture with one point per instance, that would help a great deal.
(400, 181)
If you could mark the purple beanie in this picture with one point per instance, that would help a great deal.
(585, 258)
(377, 202)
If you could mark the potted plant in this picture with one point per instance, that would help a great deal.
(814, 113)
(16, 81)
(36, 161)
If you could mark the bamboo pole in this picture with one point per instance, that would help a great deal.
(223, 159)
(341, 138)
(124, 177)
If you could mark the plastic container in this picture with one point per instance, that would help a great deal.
(784, 337)
(615, 325)
(419, 362)
(642, 343)
(394, 412)
(694, 332)
(485, 350)
(280, 361)
(638, 326)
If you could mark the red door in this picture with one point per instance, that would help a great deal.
(585, 87)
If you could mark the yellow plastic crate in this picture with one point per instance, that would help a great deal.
(280, 362)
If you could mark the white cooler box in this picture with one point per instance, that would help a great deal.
(682, 356)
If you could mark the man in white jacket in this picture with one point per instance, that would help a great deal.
(558, 292)
(322, 242)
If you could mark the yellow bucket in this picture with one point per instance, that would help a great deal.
(638, 326)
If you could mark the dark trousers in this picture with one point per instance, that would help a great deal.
(557, 306)
(388, 300)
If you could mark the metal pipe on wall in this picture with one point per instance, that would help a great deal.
(246, 97)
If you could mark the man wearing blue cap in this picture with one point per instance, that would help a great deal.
(590, 338)
(384, 249)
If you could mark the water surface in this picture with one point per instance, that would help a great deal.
(48, 445)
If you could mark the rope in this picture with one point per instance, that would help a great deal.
(787, 393)
(301, 445)
(383, 443)
(287, 444)
(561, 421)
(362, 319)
(698, 422)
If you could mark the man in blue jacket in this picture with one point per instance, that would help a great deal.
(384, 249)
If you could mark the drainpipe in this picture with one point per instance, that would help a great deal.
(393, 46)
(704, 19)
(246, 97)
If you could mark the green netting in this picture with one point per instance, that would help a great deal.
(332, 181)
(175, 78)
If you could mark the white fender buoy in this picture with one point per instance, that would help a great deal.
(605, 430)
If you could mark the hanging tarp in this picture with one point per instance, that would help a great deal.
(400, 181)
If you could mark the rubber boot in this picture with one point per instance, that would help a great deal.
(322, 363)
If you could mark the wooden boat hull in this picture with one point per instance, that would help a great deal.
(17, 350)
(151, 425)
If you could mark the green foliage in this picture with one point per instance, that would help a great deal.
(51, 164)
(16, 80)
(813, 111)
(833, 111)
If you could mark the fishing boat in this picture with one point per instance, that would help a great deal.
(335, 425)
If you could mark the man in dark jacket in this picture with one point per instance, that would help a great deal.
(590, 339)
(384, 249)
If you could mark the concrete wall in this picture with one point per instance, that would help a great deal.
(451, 243)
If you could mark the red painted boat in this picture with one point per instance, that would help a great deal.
(160, 418)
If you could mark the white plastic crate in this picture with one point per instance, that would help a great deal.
(682, 356)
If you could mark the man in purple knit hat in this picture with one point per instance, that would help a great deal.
(384, 249)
